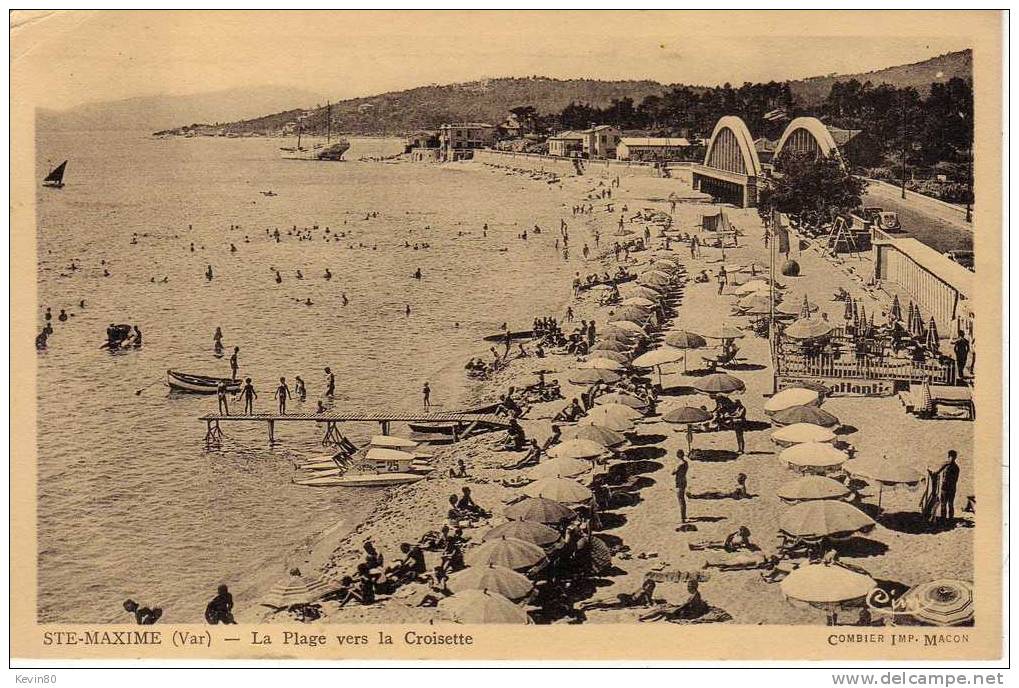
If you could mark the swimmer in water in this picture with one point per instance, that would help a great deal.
(407, 310)
(208, 273)
(279, 278)
(328, 275)
(343, 297)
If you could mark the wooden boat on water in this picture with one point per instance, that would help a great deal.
(199, 384)
(363, 480)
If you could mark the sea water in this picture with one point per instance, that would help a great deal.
(129, 502)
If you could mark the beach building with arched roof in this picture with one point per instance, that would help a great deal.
(731, 170)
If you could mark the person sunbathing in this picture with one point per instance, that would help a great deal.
(733, 542)
(411, 567)
(372, 557)
(570, 413)
(362, 589)
(643, 597)
(466, 504)
(694, 607)
(740, 491)
(531, 458)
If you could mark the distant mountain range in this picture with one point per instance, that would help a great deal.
(149, 113)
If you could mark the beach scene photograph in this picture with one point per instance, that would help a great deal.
(403, 318)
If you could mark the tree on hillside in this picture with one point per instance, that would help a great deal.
(811, 188)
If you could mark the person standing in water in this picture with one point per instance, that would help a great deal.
(217, 341)
(300, 391)
(282, 393)
(208, 273)
(330, 384)
(224, 407)
(233, 363)
(249, 396)
(426, 393)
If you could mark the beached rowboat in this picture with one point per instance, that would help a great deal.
(199, 384)
(362, 480)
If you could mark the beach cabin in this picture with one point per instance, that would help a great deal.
(652, 149)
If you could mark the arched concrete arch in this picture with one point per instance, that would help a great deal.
(731, 148)
(807, 134)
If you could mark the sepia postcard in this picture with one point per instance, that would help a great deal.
(506, 335)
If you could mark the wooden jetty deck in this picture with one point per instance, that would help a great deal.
(463, 423)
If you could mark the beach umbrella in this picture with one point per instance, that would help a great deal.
(685, 341)
(638, 301)
(610, 345)
(616, 356)
(559, 489)
(482, 607)
(806, 308)
(910, 315)
(392, 442)
(656, 358)
(885, 473)
(638, 312)
(528, 531)
(820, 519)
(916, 326)
(600, 287)
(610, 422)
(577, 449)
(657, 273)
(811, 487)
(798, 433)
(562, 467)
(627, 326)
(629, 338)
(644, 291)
(808, 328)
(595, 433)
(600, 363)
(863, 313)
(621, 398)
(896, 310)
(539, 510)
(506, 551)
(926, 405)
(719, 383)
(667, 262)
(637, 320)
(724, 331)
(804, 414)
(611, 410)
(813, 457)
(850, 311)
(933, 339)
(654, 280)
(793, 396)
(296, 590)
(497, 579)
(686, 415)
(942, 602)
(589, 376)
(826, 586)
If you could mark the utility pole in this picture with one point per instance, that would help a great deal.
(903, 96)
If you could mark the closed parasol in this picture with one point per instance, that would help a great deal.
(563, 467)
(560, 489)
(850, 312)
(528, 531)
(793, 396)
(506, 551)
(595, 433)
(295, 590)
(933, 341)
(827, 586)
(811, 487)
(621, 398)
(719, 383)
(497, 579)
(817, 520)
(808, 328)
(798, 433)
(577, 449)
(590, 376)
(804, 414)
(813, 457)
(895, 313)
(482, 607)
(942, 602)
(539, 510)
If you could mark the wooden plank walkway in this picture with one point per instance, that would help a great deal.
(214, 436)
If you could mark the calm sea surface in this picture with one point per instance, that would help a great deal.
(130, 504)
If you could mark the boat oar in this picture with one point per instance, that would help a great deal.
(138, 392)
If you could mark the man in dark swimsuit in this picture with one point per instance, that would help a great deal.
(282, 394)
(233, 363)
(330, 384)
(249, 395)
(680, 475)
(220, 608)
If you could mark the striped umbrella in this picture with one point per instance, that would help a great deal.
(621, 398)
(719, 383)
(482, 607)
(497, 579)
(539, 510)
(896, 310)
(528, 531)
(942, 602)
(804, 414)
(506, 551)
(296, 590)
(811, 487)
(818, 520)
(926, 399)
(595, 433)
(560, 489)
(850, 310)
(933, 339)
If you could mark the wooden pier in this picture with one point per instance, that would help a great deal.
(463, 423)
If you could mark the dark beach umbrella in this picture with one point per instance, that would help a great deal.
(933, 339)
(528, 531)
(595, 433)
(719, 383)
(896, 310)
(685, 415)
(850, 311)
(804, 414)
(685, 340)
(538, 509)
(506, 551)
(610, 345)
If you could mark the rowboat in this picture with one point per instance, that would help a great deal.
(519, 334)
(199, 384)
(362, 480)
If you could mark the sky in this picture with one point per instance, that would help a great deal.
(64, 59)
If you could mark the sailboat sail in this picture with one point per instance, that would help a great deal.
(56, 177)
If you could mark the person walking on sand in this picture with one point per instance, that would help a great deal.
(961, 347)
(738, 418)
(233, 363)
(224, 408)
(722, 277)
(680, 477)
(948, 481)
(426, 393)
(282, 393)
(695, 246)
(249, 396)
(330, 384)
(569, 314)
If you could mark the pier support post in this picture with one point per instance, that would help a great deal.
(332, 436)
(213, 435)
(272, 432)
(385, 427)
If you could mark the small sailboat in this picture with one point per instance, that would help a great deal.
(55, 179)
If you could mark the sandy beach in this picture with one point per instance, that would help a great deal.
(645, 535)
